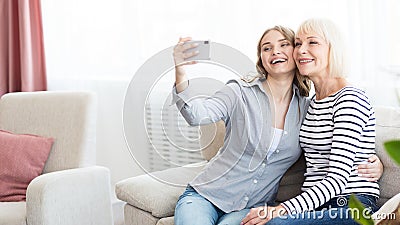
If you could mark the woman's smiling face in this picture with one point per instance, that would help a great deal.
(277, 53)
(311, 54)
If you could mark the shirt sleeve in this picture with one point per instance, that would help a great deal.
(200, 110)
(350, 115)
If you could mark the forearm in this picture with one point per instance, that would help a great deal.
(315, 196)
(181, 80)
(205, 110)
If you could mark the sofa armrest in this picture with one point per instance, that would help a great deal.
(74, 196)
(388, 212)
(158, 192)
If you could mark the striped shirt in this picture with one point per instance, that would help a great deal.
(337, 134)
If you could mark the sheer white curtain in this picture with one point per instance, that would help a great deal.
(373, 48)
(103, 38)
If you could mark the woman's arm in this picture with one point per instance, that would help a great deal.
(200, 110)
(180, 55)
(190, 100)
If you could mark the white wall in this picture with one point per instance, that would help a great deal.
(99, 44)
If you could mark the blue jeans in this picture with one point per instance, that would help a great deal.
(331, 212)
(193, 209)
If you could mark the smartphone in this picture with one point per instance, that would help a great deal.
(204, 50)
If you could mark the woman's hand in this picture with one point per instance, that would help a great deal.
(257, 215)
(180, 55)
(261, 215)
(372, 170)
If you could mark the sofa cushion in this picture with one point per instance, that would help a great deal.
(23, 159)
(166, 221)
(387, 128)
(12, 213)
(212, 139)
(135, 216)
(292, 181)
(157, 193)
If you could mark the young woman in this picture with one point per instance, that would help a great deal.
(262, 119)
(337, 135)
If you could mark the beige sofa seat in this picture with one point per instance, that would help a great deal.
(71, 189)
(387, 128)
(150, 202)
(13, 213)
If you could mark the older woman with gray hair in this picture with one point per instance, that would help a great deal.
(337, 135)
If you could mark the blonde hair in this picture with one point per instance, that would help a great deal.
(331, 34)
(302, 82)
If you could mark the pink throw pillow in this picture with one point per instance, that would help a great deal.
(23, 157)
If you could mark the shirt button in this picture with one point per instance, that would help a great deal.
(285, 132)
(263, 165)
(277, 151)
(246, 198)
(255, 181)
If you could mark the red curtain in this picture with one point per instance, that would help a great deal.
(22, 59)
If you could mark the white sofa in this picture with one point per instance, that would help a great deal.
(151, 202)
(71, 190)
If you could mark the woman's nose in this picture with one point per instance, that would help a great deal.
(302, 49)
(276, 51)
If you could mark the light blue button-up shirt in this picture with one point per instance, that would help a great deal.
(240, 176)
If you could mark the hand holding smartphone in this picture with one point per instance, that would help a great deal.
(188, 52)
(202, 49)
